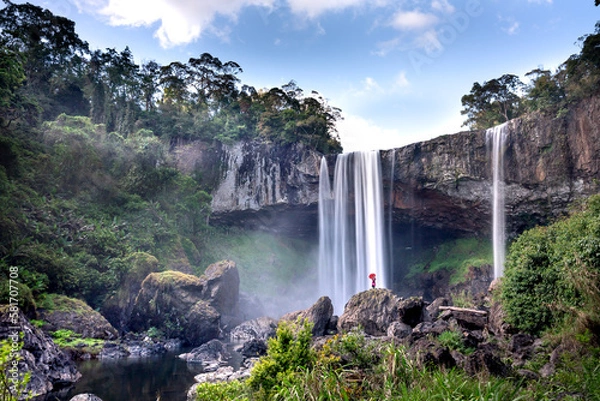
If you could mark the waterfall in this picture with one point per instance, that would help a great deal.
(391, 215)
(351, 227)
(497, 137)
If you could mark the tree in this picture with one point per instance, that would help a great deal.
(544, 91)
(494, 102)
(53, 56)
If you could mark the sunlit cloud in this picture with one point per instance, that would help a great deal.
(179, 22)
(413, 20)
(357, 133)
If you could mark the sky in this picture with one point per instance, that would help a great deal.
(396, 68)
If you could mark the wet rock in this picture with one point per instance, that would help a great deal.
(486, 359)
(430, 328)
(202, 323)
(76, 315)
(373, 310)
(86, 397)
(319, 315)
(433, 309)
(431, 354)
(261, 328)
(50, 368)
(399, 330)
(253, 348)
(222, 290)
(211, 355)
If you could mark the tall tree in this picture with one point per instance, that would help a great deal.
(53, 54)
(494, 102)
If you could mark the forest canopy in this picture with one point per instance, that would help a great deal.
(47, 70)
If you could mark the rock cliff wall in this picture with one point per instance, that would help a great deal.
(444, 183)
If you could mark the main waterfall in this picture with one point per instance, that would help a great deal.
(351, 227)
(497, 136)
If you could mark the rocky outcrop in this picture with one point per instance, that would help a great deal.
(76, 315)
(440, 184)
(50, 368)
(268, 187)
(195, 309)
(319, 315)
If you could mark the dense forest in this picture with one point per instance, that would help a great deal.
(47, 70)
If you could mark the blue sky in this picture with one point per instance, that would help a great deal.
(396, 68)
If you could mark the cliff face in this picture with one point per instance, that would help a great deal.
(444, 183)
(548, 163)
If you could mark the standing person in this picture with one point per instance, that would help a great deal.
(372, 276)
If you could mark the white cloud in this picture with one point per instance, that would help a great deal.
(413, 20)
(357, 133)
(314, 8)
(180, 21)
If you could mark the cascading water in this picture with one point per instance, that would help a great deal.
(497, 136)
(351, 234)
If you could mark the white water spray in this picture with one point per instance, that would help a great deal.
(351, 234)
(497, 136)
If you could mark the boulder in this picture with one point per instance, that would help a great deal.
(76, 315)
(399, 330)
(373, 310)
(50, 368)
(261, 328)
(211, 355)
(319, 315)
(164, 298)
(222, 286)
(202, 323)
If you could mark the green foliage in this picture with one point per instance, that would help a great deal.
(13, 381)
(68, 339)
(455, 256)
(553, 273)
(231, 391)
(288, 353)
(494, 102)
(453, 340)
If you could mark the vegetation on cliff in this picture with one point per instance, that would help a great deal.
(501, 99)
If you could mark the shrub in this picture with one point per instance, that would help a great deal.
(288, 352)
(553, 273)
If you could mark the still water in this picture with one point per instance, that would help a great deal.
(134, 379)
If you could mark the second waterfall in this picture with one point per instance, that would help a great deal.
(351, 227)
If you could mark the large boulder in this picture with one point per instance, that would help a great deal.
(373, 310)
(164, 300)
(76, 315)
(319, 315)
(202, 323)
(50, 368)
(195, 309)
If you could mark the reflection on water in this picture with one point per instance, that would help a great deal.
(142, 379)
